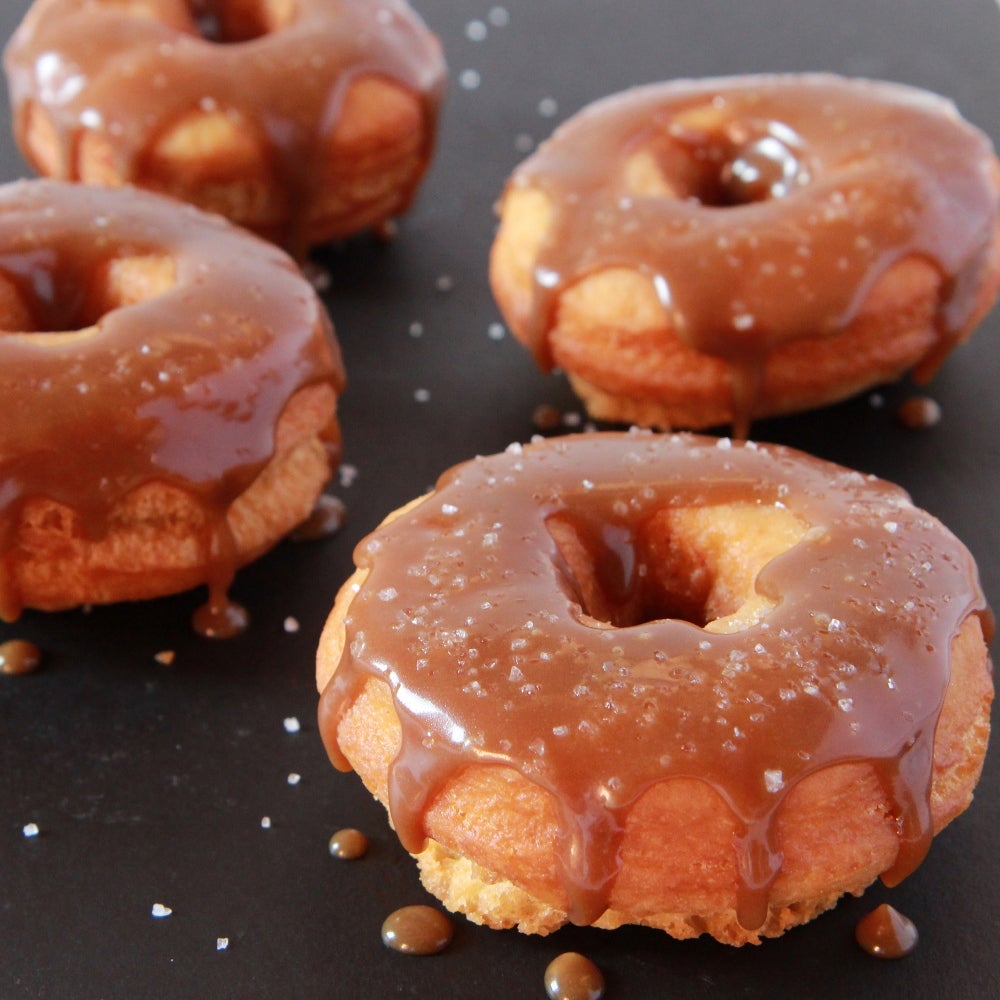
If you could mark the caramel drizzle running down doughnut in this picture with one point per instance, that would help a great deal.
(471, 616)
(793, 195)
(105, 68)
(185, 387)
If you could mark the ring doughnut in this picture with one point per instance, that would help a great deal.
(626, 678)
(169, 385)
(304, 121)
(707, 252)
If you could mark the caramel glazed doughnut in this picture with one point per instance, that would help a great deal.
(626, 678)
(704, 253)
(169, 386)
(304, 120)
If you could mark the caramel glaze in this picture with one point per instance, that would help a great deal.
(473, 619)
(793, 195)
(130, 75)
(185, 387)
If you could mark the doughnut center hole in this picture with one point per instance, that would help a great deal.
(66, 301)
(228, 22)
(719, 165)
(694, 564)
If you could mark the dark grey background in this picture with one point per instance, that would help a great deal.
(149, 782)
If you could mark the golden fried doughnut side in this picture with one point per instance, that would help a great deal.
(492, 831)
(159, 538)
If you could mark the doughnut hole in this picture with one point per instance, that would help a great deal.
(698, 564)
(234, 21)
(79, 301)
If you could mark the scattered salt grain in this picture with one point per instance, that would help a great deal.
(30, 829)
(496, 331)
(291, 724)
(416, 329)
(444, 283)
(469, 79)
(294, 779)
(499, 17)
(159, 910)
(265, 822)
(422, 395)
(221, 944)
(348, 474)
(548, 107)
(291, 624)
(475, 31)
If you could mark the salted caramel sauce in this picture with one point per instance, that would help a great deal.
(19, 656)
(886, 933)
(417, 930)
(348, 844)
(183, 388)
(130, 76)
(473, 619)
(572, 976)
(792, 196)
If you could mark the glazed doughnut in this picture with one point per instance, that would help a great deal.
(674, 681)
(169, 385)
(304, 121)
(703, 253)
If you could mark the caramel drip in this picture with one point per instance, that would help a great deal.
(184, 388)
(417, 930)
(18, 656)
(792, 197)
(470, 615)
(886, 933)
(127, 75)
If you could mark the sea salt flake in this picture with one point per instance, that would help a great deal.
(294, 779)
(265, 822)
(774, 781)
(291, 724)
(221, 944)
(30, 830)
(159, 910)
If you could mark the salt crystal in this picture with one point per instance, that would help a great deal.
(159, 910)
(291, 724)
(469, 79)
(548, 107)
(265, 822)
(294, 779)
(495, 331)
(475, 31)
(291, 624)
(422, 395)
(30, 829)
(774, 781)
(221, 944)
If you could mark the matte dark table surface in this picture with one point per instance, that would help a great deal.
(149, 782)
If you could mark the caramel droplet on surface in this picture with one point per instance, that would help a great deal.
(417, 930)
(918, 413)
(572, 976)
(220, 619)
(886, 933)
(327, 519)
(546, 417)
(348, 845)
(18, 656)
